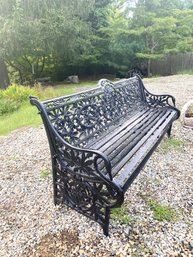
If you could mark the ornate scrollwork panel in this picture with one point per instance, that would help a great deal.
(159, 100)
(79, 170)
(81, 184)
(85, 115)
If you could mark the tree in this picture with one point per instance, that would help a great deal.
(96, 57)
(163, 28)
(122, 46)
(154, 33)
(4, 77)
(35, 34)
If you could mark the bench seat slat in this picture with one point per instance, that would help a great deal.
(100, 141)
(118, 149)
(137, 146)
(123, 129)
(126, 176)
(134, 130)
(119, 154)
(133, 138)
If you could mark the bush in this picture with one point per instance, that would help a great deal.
(8, 106)
(17, 93)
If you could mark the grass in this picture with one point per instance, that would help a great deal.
(26, 115)
(121, 215)
(161, 212)
(55, 91)
(44, 173)
(171, 143)
(185, 72)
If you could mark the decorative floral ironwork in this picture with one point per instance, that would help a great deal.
(164, 100)
(81, 184)
(159, 100)
(80, 117)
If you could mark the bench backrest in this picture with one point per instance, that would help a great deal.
(83, 116)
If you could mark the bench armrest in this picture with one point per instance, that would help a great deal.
(159, 100)
(155, 100)
(164, 100)
(84, 158)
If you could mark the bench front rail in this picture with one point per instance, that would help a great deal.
(99, 141)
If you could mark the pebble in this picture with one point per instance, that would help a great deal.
(31, 226)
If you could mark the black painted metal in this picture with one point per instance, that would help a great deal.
(99, 141)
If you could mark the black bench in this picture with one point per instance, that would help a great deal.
(99, 141)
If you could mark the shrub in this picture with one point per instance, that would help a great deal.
(8, 106)
(17, 93)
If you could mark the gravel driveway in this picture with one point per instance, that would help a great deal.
(30, 224)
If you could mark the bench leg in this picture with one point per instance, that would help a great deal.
(54, 171)
(169, 131)
(105, 226)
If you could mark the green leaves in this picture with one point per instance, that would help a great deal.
(122, 215)
(149, 56)
(164, 30)
(34, 34)
(51, 37)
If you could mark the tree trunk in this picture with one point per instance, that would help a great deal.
(149, 68)
(4, 77)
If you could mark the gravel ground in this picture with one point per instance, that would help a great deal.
(30, 224)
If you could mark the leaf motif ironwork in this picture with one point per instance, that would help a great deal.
(87, 115)
(81, 184)
(159, 100)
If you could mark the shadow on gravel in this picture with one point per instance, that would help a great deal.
(52, 245)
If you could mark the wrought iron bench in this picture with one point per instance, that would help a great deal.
(99, 141)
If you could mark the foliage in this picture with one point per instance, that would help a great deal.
(121, 215)
(8, 106)
(17, 93)
(34, 35)
(147, 30)
(171, 143)
(161, 212)
(159, 24)
(26, 115)
(96, 60)
(60, 38)
(13, 97)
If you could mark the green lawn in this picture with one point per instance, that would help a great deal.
(27, 115)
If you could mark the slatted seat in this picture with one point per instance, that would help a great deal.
(127, 147)
(100, 139)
